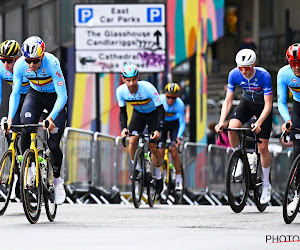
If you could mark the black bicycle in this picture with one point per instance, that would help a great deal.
(241, 177)
(291, 196)
(142, 178)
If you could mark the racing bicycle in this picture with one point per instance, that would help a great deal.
(249, 182)
(142, 178)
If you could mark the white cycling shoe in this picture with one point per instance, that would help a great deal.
(59, 191)
(265, 195)
(293, 205)
(239, 169)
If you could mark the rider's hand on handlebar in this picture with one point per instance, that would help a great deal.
(51, 124)
(177, 142)
(124, 132)
(287, 128)
(219, 128)
(256, 127)
(155, 135)
(9, 123)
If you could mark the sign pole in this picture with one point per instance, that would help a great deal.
(97, 92)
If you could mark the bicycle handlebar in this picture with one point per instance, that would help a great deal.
(134, 134)
(284, 134)
(242, 130)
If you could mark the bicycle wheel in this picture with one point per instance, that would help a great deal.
(48, 189)
(257, 179)
(5, 185)
(151, 191)
(164, 195)
(179, 193)
(237, 187)
(292, 189)
(137, 179)
(30, 192)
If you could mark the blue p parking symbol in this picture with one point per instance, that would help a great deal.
(84, 15)
(154, 15)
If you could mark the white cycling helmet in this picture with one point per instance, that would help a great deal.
(245, 57)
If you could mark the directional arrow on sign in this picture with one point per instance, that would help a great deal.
(157, 34)
(84, 60)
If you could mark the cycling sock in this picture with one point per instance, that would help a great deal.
(56, 181)
(178, 177)
(138, 167)
(157, 173)
(266, 173)
(235, 149)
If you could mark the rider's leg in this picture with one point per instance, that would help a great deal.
(265, 160)
(176, 159)
(232, 135)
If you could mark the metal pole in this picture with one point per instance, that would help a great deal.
(97, 82)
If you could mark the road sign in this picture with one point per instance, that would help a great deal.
(109, 35)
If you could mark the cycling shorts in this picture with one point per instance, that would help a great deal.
(170, 127)
(246, 110)
(295, 134)
(140, 120)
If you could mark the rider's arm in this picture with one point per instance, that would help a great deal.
(181, 120)
(282, 97)
(60, 88)
(123, 117)
(226, 107)
(0, 90)
(15, 95)
(161, 117)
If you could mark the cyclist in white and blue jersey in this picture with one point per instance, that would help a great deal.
(9, 54)
(148, 110)
(256, 101)
(288, 77)
(47, 91)
(174, 125)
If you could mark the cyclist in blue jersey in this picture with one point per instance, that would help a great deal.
(288, 77)
(148, 110)
(256, 101)
(174, 125)
(9, 54)
(47, 91)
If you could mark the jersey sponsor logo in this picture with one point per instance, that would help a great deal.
(297, 136)
(43, 70)
(57, 73)
(158, 99)
(7, 73)
(155, 93)
(28, 70)
(60, 83)
(294, 80)
(27, 115)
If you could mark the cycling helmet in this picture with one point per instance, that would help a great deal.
(9, 48)
(130, 70)
(172, 88)
(245, 57)
(33, 47)
(293, 52)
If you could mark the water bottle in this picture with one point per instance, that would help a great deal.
(252, 158)
(147, 163)
(43, 167)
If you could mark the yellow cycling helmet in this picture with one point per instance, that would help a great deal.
(9, 48)
(172, 88)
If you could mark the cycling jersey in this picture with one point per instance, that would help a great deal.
(174, 112)
(48, 78)
(145, 100)
(8, 77)
(255, 88)
(287, 79)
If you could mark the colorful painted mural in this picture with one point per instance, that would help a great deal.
(198, 22)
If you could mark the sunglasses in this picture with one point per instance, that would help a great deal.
(7, 60)
(246, 68)
(294, 63)
(171, 97)
(34, 61)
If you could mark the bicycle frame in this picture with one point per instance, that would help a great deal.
(13, 150)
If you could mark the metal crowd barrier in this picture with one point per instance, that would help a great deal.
(96, 168)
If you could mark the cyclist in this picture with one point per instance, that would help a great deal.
(47, 91)
(256, 101)
(9, 54)
(288, 77)
(148, 110)
(174, 125)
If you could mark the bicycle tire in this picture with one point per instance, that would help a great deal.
(137, 181)
(30, 194)
(257, 179)
(290, 190)
(237, 188)
(5, 186)
(151, 192)
(163, 197)
(48, 189)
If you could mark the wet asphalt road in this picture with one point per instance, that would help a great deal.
(162, 227)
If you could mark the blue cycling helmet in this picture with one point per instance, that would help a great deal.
(130, 70)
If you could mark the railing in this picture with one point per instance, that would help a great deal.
(96, 168)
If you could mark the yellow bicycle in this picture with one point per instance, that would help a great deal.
(9, 169)
(35, 179)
